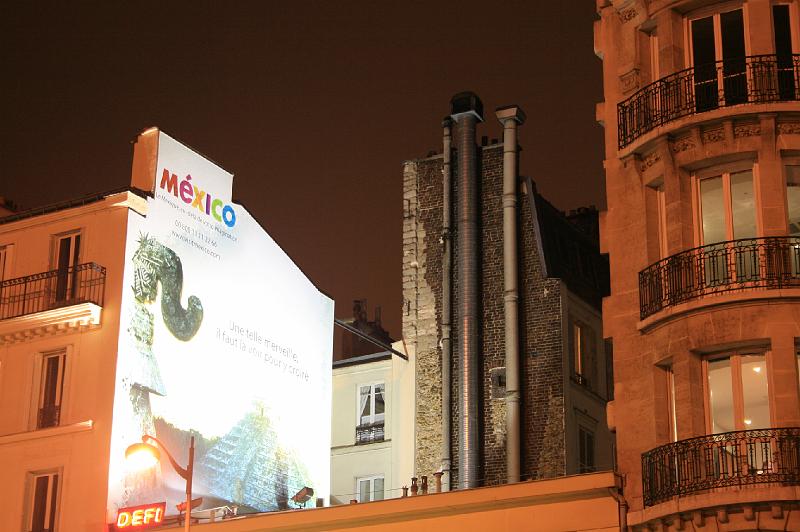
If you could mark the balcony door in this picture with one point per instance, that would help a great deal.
(67, 253)
(782, 26)
(728, 213)
(718, 53)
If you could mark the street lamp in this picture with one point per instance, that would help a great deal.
(144, 455)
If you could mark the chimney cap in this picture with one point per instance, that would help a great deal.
(466, 103)
(513, 112)
(447, 121)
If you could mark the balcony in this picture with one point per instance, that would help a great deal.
(749, 80)
(369, 433)
(750, 263)
(52, 301)
(741, 458)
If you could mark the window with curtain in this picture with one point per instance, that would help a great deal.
(372, 405)
(738, 393)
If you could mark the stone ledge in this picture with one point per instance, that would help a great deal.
(63, 320)
(47, 433)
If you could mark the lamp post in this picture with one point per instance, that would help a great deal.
(145, 449)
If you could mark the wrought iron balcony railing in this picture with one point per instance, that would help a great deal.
(752, 79)
(84, 283)
(738, 458)
(49, 416)
(369, 433)
(769, 262)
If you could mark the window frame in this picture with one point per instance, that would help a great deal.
(75, 253)
(373, 415)
(371, 479)
(54, 500)
(786, 162)
(725, 172)
(37, 388)
(737, 388)
(714, 11)
(584, 364)
(584, 432)
(794, 23)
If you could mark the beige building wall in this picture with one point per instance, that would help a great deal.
(78, 447)
(391, 457)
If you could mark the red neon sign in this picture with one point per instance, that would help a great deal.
(139, 517)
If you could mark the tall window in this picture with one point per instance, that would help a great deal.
(673, 416)
(793, 197)
(782, 26)
(370, 488)
(586, 463)
(51, 389)
(67, 253)
(584, 354)
(714, 39)
(43, 502)
(372, 405)
(727, 212)
(738, 395)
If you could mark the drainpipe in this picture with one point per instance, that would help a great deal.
(510, 116)
(447, 266)
(466, 111)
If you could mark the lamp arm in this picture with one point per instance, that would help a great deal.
(183, 472)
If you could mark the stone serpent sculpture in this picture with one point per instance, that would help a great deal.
(154, 263)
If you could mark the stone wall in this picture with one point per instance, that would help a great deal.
(542, 388)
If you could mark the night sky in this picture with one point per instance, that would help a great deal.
(313, 106)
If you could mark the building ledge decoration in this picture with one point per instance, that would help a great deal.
(54, 322)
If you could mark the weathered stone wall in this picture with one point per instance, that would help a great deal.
(422, 271)
(542, 390)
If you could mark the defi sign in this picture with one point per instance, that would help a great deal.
(140, 517)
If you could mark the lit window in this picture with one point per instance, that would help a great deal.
(370, 488)
(584, 354)
(66, 256)
(727, 212)
(673, 417)
(51, 389)
(585, 450)
(793, 198)
(738, 394)
(43, 502)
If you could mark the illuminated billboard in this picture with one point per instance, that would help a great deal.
(223, 338)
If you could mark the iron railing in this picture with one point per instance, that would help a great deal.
(768, 262)
(738, 458)
(370, 432)
(84, 283)
(49, 416)
(752, 79)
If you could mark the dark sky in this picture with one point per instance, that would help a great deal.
(312, 105)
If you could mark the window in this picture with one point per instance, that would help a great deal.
(713, 39)
(727, 212)
(793, 198)
(51, 389)
(738, 395)
(673, 417)
(371, 404)
(371, 413)
(43, 502)
(782, 27)
(369, 488)
(585, 450)
(66, 256)
(584, 354)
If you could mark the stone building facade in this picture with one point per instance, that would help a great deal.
(702, 134)
(555, 294)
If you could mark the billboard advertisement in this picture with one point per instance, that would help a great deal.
(224, 339)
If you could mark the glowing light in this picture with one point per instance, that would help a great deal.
(139, 517)
(141, 456)
(757, 369)
(748, 421)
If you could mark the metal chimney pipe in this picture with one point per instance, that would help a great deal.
(466, 111)
(447, 272)
(510, 116)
